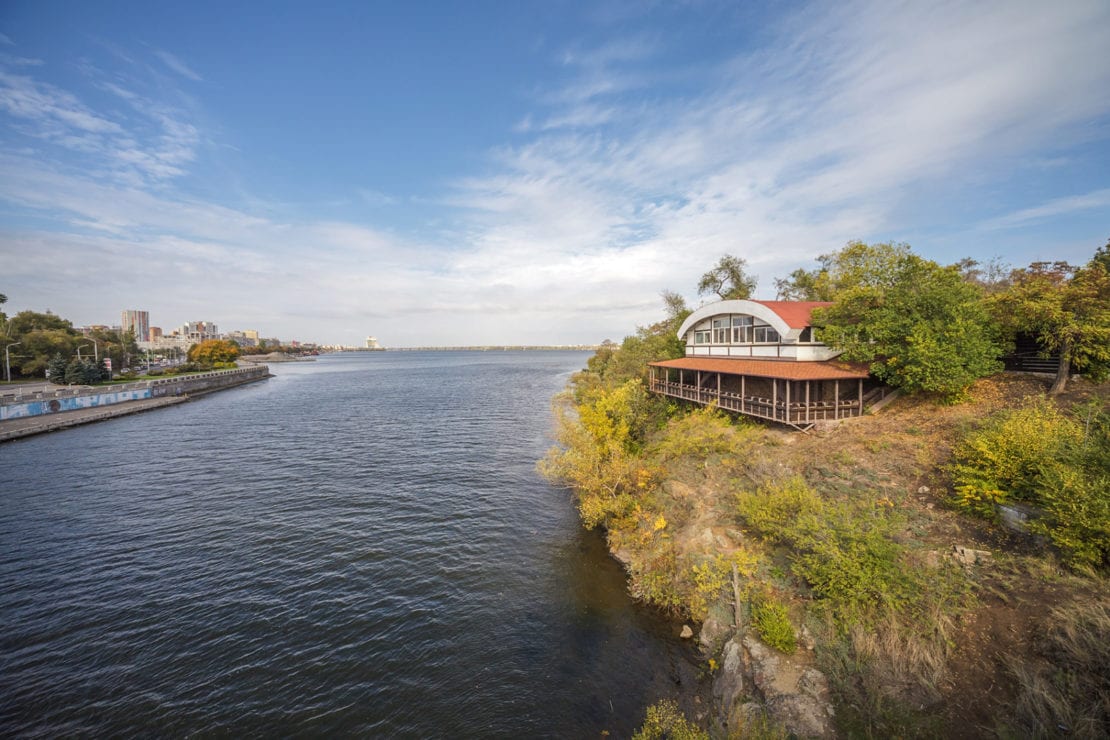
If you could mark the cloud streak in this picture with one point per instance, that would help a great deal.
(177, 65)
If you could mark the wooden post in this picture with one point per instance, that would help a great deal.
(742, 393)
(736, 597)
(860, 410)
(836, 399)
(807, 401)
(786, 407)
(718, 389)
(774, 398)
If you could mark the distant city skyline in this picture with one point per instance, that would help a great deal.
(526, 173)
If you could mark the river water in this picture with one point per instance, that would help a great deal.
(359, 545)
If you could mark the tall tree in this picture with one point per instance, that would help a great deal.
(728, 279)
(802, 285)
(857, 265)
(919, 326)
(1067, 309)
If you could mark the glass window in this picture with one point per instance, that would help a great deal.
(741, 329)
(701, 337)
(766, 334)
(720, 331)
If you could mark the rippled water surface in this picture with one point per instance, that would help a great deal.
(358, 545)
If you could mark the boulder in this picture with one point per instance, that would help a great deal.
(687, 633)
(794, 694)
(715, 629)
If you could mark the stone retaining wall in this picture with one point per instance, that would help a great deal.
(43, 403)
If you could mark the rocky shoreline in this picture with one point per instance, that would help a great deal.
(752, 682)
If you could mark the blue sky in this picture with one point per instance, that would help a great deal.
(479, 172)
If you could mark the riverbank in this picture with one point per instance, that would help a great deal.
(832, 585)
(48, 408)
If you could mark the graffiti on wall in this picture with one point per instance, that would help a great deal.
(55, 405)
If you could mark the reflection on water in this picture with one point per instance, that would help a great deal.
(358, 545)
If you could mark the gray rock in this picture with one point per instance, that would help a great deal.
(687, 633)
(729, 683)
(715, 629)
(795, 694)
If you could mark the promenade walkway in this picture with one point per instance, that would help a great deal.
(24, 427)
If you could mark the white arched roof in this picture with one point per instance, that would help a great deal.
(750, 308)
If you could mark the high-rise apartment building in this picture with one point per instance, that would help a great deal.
(137, 322)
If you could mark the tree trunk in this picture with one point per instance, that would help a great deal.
(1060, 384)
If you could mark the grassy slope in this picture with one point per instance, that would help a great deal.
(959, 673)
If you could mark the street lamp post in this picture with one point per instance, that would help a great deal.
(7, 361)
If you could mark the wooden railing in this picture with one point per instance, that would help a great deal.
(795, 414)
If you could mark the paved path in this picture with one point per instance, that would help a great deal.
(25, 427)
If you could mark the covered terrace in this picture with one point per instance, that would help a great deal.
(795, 393)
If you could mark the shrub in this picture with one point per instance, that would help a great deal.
(699, 434)
(712, 575)
(1042, 457)
(844, 551)
(664, 720)
(772, 623)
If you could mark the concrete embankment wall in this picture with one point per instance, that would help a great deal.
(44, 403)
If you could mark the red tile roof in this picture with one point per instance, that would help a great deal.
(796, 314)
(783, 369)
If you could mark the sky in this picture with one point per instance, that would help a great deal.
(476, 172)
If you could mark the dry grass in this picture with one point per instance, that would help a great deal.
(1065, 690)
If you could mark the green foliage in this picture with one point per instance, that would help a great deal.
(728, 279)
(713, 574)
(213, 351)
(1040, 456)
(843, 550)
(82, 372)
(700, 434)
(665, 721)
(857, 265)
(26, 322)
(921, 327)
(1067, 309)
(655, 577)
(595, 456)
(772, 623)
(57, 368)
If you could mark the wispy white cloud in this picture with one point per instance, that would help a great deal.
(177, 65)
(14, 61)
(797, 148)
(606, 197)
(1051, 209)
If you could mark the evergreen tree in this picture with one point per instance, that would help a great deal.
(57, 368)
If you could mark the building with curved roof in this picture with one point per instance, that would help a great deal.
(763, 359)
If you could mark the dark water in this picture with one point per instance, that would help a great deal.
(359, 545)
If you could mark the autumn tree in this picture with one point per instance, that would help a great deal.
(728, 279)
(213, 351)
(919, 326)
(1067, 309)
